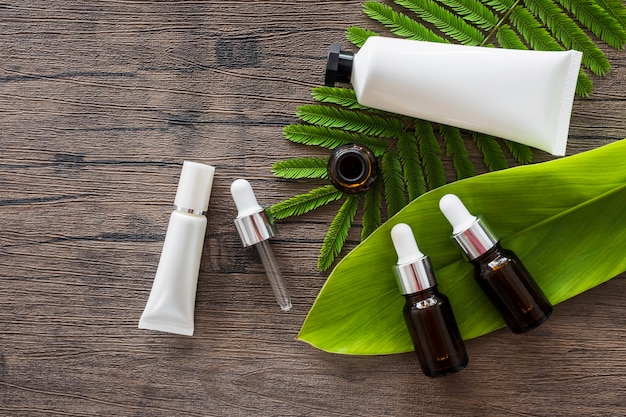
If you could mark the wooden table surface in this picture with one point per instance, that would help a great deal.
(100, 102)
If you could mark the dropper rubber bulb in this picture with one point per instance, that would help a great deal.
(457, 214)
(255, 228)
(404, 242)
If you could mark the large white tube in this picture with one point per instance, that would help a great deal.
(170, 307)
(523, 96)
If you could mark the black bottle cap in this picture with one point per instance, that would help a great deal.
(339, 66)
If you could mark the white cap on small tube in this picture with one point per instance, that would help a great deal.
(457, 214)
(194, 187)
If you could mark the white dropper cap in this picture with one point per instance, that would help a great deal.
(194, 187)
(244, 197)
(413, 271)
(457, 214)
(253, 222)
(404, 242)
(472, 234)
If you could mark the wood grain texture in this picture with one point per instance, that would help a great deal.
(100, 102)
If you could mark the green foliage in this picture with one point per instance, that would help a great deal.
(399, 23)
(357, 36)
(570, 34)
(409, 157)
(521, 153)
(410, 151)
(455, 147)
(452, 25)
(394, 184)
(474, 12)
(304, 203)
(371, 210)
(367, 124)
(341, 96)
(430, 153)
(298, 168)
(338, 232)
(598, 20)
(331, 138)
(492, 152)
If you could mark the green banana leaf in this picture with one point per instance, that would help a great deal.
(566, 220)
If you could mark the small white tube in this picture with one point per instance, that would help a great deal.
(523, 96)
(171, 304)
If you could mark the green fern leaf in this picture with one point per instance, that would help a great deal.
(500, 6)
(615, 9)
(522, 153)
(598, 20)
(411, 167)
(473, 11)
(455, 147)
(344, 97)
(351, 120)
(566, 31)
(491, 150)
(331, 138)
(507, 38)
(303, 203)
(533, 31)
(338, 232)
(430, 153)
(584, 86)
(357, 36)
(399, 23)
(444, 20)
(372, 210)
(394, 184)
(298, 168)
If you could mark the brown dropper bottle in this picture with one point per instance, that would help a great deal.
(427, 312)
(498, 271)
(352, 168)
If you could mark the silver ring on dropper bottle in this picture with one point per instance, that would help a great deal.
(255, 227)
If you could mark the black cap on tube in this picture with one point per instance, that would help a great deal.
(339, 66)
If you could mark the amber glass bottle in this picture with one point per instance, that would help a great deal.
(352, 168)
(498, 271)
(427, 312)
(436, 338)
(511, 289)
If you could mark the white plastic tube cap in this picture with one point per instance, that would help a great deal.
(457, 214)
(244, 197)
(194, 186)
(404, 242)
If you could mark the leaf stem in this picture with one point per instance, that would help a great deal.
(500, 22)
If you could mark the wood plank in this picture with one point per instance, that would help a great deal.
(100, 102)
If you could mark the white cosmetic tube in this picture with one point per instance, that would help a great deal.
(520, 95)
(170, 307)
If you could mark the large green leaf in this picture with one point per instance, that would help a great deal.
(566, 219)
